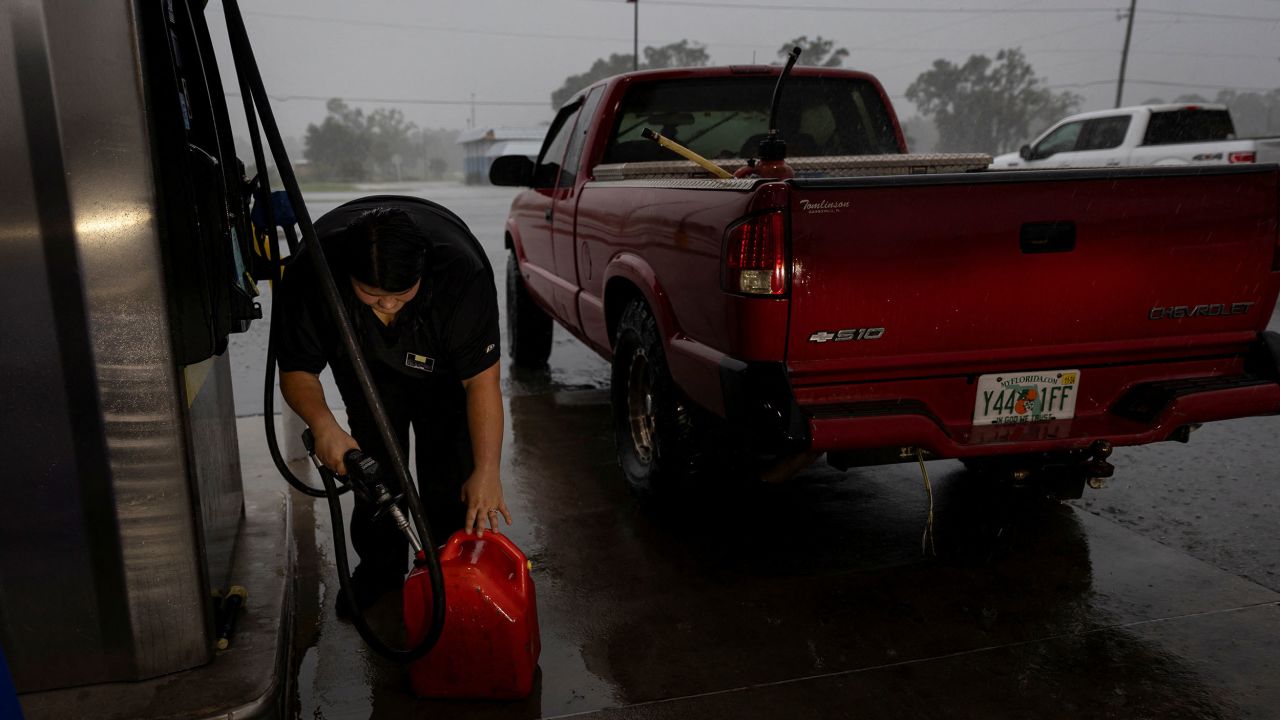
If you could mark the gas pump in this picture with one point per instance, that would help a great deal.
(123, 242)
(126, 262)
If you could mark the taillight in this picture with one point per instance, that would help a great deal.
(1242, 157)
(1275, 257)
(755, 256)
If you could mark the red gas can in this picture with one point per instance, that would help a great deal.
(490, 644)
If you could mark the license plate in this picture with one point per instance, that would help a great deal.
(1026, 397)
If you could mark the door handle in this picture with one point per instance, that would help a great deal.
(1048, 237)
(547, 213)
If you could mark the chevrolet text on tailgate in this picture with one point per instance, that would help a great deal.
(880, 306)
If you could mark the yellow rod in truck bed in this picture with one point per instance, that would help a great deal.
(685, 152)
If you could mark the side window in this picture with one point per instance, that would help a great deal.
(548, 167)
(1103, 133)
(1061, 140)
(578, 138)
(1191, 124)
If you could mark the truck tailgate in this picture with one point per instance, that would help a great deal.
(964, 274)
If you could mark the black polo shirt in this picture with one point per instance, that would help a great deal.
(446, 334)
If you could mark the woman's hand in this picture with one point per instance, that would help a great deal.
(482, 493)
(304, 393)
(331, 445)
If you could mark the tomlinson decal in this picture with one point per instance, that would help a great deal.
(823, 206)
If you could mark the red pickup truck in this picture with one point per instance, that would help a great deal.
(882, 306)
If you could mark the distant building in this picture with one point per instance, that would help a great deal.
(482, 146)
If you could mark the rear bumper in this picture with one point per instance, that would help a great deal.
(1126, 405)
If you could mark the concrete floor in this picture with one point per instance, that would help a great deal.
(815, 599)
(1156, 597)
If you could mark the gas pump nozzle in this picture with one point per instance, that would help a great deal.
(772, 149)
(364, 474)
(366, 477)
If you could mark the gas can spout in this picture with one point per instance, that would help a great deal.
(792, 57)
(772, 149)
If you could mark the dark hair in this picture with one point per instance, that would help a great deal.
(383, 248)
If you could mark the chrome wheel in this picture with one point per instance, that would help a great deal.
(640, 407)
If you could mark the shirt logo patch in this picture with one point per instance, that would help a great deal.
(490, 348)
(420, 362)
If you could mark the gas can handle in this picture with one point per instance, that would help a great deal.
(520, 562)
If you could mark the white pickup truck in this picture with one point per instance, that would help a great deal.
(1178, 134)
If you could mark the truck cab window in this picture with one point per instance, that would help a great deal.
(1062, 139)
(1188, 125)
(578, 138)
(549, 160)
(1103, 133)
(727, 117)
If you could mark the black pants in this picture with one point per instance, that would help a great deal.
(444, 462)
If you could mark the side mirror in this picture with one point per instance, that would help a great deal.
(512, 171)
(1025, 152)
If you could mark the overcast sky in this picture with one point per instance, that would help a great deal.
(433, 56)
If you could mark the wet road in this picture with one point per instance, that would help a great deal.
(1155, 597)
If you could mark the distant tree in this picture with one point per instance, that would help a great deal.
(920, 134)
(987, 106)
(390, 135)
(677, 54)
(382, 145)
(338, 147)
(1254, 114)
(435, 152)
(818, 52)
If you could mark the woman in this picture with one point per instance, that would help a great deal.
(420, 295)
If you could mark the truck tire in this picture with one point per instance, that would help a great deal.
(653, 422)
(528, 326)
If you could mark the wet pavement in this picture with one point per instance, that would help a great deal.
(1153, 598)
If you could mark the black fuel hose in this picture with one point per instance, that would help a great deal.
(262, 194)
(344, 580)
(269, 415)
(247, 69)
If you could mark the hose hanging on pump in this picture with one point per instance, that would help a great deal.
(264, 199)
(251, 78)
